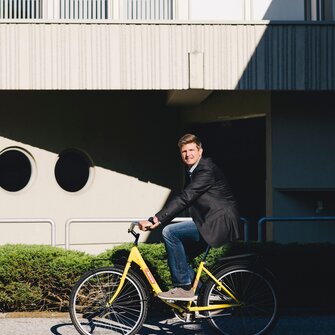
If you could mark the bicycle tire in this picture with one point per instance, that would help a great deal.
(88, 303)
(257, 312)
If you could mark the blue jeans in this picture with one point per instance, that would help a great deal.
(182, 240)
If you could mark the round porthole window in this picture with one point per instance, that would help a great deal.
(73, 170)
(16, 169)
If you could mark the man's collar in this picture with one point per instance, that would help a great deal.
(194, 166)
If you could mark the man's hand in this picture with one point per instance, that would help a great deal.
(146, 225)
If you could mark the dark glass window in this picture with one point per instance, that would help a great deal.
(72, 170)
(15, 170)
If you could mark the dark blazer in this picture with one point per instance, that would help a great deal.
(208, 197)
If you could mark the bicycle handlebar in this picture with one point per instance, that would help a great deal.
(132, 231)
(132, 226)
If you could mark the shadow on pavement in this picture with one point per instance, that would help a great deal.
(62, 329)
(296, 324)
(173, 327)
(151, 327)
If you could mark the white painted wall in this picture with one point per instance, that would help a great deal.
(125, 134)
(111, 194)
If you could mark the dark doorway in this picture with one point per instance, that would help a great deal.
(238, 147)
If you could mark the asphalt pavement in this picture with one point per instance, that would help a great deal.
(60, 324)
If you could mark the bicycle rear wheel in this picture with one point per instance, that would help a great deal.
(89, 310)
(257, 310)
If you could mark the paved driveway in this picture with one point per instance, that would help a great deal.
(61, 325)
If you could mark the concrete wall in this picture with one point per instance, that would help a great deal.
(302, 164)
(130, 137)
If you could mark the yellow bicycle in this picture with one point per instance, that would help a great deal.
(238, 298)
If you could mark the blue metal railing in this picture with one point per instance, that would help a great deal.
(246, 226)
(261, 222)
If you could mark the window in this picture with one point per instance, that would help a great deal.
(150, 10)
(20, 9)
(73, 170)
(16, 169)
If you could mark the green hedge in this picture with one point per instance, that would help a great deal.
(41, 277)
(38, 277)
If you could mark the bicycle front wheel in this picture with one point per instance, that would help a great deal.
(257, 303)
(89, 308)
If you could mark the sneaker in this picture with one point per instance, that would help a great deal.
(178, 294)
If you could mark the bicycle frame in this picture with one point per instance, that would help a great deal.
(136, 257)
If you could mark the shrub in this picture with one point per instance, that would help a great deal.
(38, 277)
(41, 277)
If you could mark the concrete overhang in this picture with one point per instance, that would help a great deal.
(189, 97)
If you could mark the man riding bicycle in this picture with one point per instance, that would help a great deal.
(215, 218)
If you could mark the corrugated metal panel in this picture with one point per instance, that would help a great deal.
(156, 56)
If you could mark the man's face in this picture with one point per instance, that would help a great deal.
(190, 153)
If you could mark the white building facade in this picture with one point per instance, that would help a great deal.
(94, 92)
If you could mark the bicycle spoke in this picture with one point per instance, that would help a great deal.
(90, 310)
(257, 307)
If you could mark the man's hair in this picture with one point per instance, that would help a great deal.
(189, 138)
